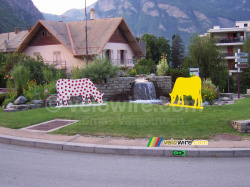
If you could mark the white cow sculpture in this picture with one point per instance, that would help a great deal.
(77, 87)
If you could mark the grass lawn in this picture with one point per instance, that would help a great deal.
(137, 120)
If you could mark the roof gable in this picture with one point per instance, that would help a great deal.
(73, 35)
(57, 29)
(43, 37)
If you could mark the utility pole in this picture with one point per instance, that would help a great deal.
(86, 31)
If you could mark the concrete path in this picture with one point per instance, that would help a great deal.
(123, 146)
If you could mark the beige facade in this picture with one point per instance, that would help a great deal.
(56, 54)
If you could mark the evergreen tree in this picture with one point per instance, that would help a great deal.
(178, 51)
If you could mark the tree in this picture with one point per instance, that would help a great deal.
(245, 77)
(162, 67)
(204, 54)
(155, 46)
(178, 51)
(2, 75)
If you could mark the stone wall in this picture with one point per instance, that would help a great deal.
(121, 88)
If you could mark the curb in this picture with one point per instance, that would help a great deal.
(124, 150)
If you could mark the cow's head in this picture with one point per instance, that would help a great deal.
(173, 97)
(98, 97)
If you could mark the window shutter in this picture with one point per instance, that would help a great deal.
(125, 54)
(103, 54)
(118, 56)
(112, 54)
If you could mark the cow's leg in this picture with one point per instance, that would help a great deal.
(200, 102)
(60, 100)
(65, 102)
(89, 101)
(195, 101)
(83, 99)
(182, 100)
(57, 99)
(178, 99)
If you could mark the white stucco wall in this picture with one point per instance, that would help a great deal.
(119, 46)
(47, 53)
(240, 24)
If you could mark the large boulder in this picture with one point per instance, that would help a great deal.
(151, 77)
(9, 106)
(20, 100)
(225, 99)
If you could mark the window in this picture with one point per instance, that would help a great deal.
(108, 54)
(48, 33)
(43, 33)
(117, 31)
(36, 54)
(121, 55)
(56, 56)
(245, 25)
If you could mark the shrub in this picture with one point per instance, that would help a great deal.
(8, 61)
(47, 74)
(50, 87)
(145, 66)
(36, 67)
(3, 96)
(140, 69)
(20, 75)
(162, 67)
(34, 91)
(11, 96)
(99, 70)
(75, 73)
(175, 73)
(132, 72)
(209, 91)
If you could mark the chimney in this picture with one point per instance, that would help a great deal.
(29, 28)
(216, 27)
(92, 14)
(17, 30)
(5, 45)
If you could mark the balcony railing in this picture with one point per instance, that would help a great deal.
(230, 40)
(229, 54)
(58, 64)
(123, 62)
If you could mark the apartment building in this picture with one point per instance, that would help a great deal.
(230, 40)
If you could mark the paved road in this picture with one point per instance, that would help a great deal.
(29, 167)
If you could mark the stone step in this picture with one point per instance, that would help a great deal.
(242, 126)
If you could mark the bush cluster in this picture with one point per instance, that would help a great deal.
(145, 66)
(209, 91)
(99, 70)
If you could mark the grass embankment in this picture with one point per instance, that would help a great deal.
(137, 120)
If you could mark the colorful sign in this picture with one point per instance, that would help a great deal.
(190, 86)
(155, 142)
(194, 72)
(67, 88)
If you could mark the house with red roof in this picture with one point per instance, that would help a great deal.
(64, 44)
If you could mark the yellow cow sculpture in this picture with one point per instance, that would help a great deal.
(187, 86)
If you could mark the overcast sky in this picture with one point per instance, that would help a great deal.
(60, 6)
